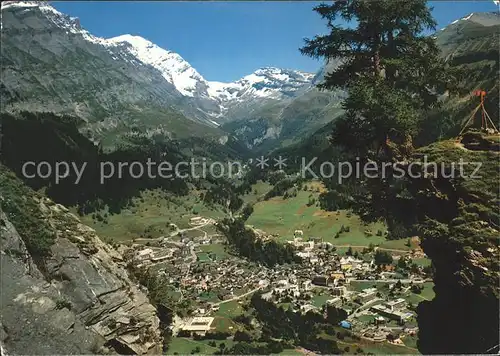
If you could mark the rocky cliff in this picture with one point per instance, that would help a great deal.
(460, 230)
(447, 194)
(127, 83)
(76, 299)
(452, 203)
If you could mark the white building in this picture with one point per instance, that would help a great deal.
(367, 294)
(199, 325)
(304, 255)
(397, 304)
(306, 285)
(334, 301)
(340, 291)
(307, 307)
(309, 246)
(387, 312)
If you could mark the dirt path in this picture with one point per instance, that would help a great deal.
(197, 227)
(174, 233)
(239, 296)
(403, 281)
(375, 248)
(461, 146)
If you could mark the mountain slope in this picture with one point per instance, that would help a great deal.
(257, 89)
(73, 296)
(287, 114)
(128, 83)
(469, 43)
(280, 123)
(472, 33)
(178, 72)
(49, 63)
(172, 66)
(274, 107)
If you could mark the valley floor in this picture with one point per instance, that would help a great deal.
(207, 279)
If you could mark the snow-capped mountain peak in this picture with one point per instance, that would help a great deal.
(58, 19)
(267, 82)
(171, 65)
(211, 99)
(482, 18)
(25, 4)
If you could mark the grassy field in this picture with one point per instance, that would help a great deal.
(359, 286)
(350, 347)
(284, 216)
(150, 216)
(426, 294)
(230, 309)
(367, 319)
(209, 296)
(225, 324)
(428, 291)
(384, 348)
(258, 191)
(184, 346)
(291, 352)
(343, 249)
(217, 249)
(410, 341)
(203, 257)
(320, 300)
(422, 261)
(401, 244)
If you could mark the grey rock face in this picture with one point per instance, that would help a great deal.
(472, 34)
(284, 122)
(83, 300)
(49, 63)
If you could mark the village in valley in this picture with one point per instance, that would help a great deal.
(377, 288)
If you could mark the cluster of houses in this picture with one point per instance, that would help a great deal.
(323, 272)
(299, 295)
(393, 310)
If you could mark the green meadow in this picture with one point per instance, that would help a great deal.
(281, 217)
(150, 216)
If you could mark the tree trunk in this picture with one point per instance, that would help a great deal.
(376, 62)
(390, 73)
(376, 54)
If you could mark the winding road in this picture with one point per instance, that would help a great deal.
(375, 248)
(238, 297)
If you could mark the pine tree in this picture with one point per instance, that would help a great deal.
(390, 69)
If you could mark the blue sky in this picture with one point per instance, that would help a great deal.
(226, 40)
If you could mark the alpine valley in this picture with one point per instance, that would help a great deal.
(50, 63)
(115, 85)
(269, 261)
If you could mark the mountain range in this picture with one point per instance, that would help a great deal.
(472, 43)
(124, 83)
(68, 292)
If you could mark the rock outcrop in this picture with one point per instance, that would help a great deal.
(449, 197)
(459, 221)
(79, 301)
